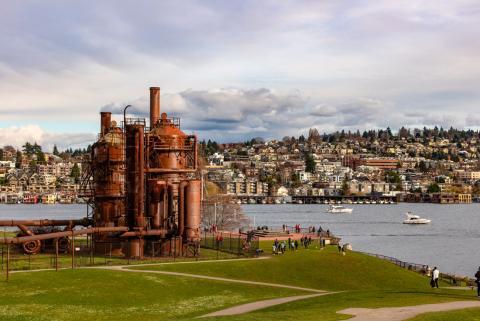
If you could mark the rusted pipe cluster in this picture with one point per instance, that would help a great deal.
(162, 193)
(145, 188)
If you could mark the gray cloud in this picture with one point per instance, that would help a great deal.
(330, 64)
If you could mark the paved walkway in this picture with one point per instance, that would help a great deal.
(403, 313)
(249, 307)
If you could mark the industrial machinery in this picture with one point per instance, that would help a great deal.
(144, 190)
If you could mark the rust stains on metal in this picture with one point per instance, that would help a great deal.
(144, 187)
(154, 105)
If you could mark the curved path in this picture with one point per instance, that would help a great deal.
(214, 278)
(248, 307)
(404, 313)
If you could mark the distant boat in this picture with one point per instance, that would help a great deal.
(415, 219)
(337, 209)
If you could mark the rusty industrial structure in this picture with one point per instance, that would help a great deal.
(143, 187)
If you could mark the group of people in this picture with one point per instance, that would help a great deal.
(298, 229)
(279, 247)
(435, 275)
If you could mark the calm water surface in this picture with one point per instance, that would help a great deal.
(451, 241)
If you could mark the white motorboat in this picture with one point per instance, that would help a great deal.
(339, 209)
(415, 219)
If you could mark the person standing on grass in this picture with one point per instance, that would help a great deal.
(296, 244)
(435, 276)
(477, 280)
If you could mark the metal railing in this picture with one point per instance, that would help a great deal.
(240, 244)
(425, 270)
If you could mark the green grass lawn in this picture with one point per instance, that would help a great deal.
(364, 281)
(88, 294)
(20, 261)
(321, 269)
(461, 315)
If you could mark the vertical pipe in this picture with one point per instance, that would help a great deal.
(182, 213)
(155, 202)
(135, 178)
(154, 106)
(193, 204)
(170, 207)
(105, 120)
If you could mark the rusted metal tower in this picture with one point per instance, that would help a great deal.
(144, 187)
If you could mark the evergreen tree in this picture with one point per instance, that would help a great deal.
(55, 150)
(345, 188)
(309, 163)
(433, 188)
(75, 172)
(18, 159)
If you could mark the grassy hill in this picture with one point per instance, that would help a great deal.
(95, 294)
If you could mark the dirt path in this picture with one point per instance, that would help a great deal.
(249, 307)
(403, 313)
(214, 278)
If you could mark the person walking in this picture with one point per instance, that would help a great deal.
(477, 280)
(435, 276)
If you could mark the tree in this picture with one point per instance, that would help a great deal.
(345, 187)
(1, 154)
(55, 150)
(309, 163)
(313, 135)
(40, 156)
(422, 166)
(18, 159)
(433, 188)
(75, 173)
(27, 148)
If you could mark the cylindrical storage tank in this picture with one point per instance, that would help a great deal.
(192, 210)
(135, 249)
(156, 189)
(135, 175)
(168, 142)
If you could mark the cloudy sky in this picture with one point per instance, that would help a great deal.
(237, 69)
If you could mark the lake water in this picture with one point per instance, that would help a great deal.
(451, 241)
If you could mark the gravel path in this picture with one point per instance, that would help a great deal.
(403, 313)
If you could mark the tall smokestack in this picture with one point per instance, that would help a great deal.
(154, 105)
(105, 120)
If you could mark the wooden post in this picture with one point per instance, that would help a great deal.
(73, 250)
(56, 254)
(8, 261)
